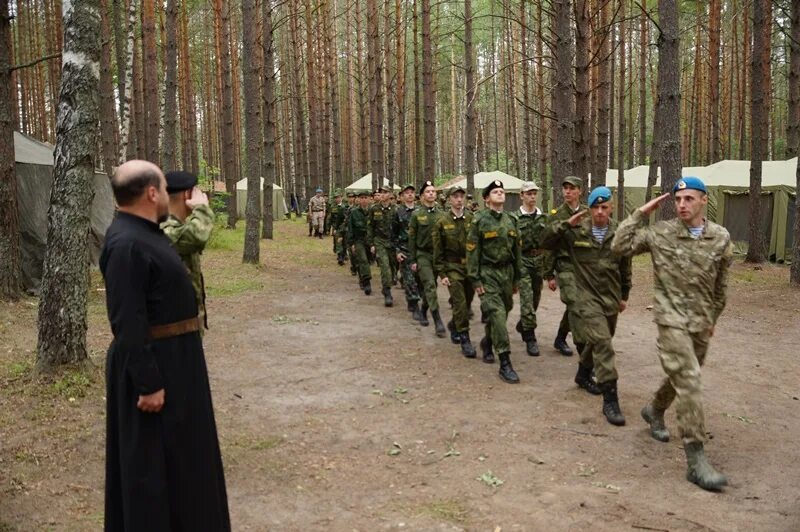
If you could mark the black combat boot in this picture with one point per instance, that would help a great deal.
(412, 305)
(655, 418)
(584, 380)
(611, 403)
(438, 323)
(367, 287)
(507, 372)
(387, 297)
(699, 471)
(531, 345)
(423, 315)
(455, 337)
(561, 345)
(415, 312)
(466, 345)
(486, 349)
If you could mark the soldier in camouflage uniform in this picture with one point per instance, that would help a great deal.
(691, 257)
(531, 222)
(602, 285)
(357, 238)
(189, 227)
(337, 212)
(493, 267)
(450, 261)
(400, 240)
(316, 210)
(557, 268)
(379, 240)
(351, 204)
(420, 249)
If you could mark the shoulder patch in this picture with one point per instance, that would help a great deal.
(490, 234)
(553, 211)
(471, 246)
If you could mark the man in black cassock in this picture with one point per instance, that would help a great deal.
(163, 464)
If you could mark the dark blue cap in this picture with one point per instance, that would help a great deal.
(599, 195)
(178, 180)
(689, 183)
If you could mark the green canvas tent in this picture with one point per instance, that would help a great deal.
(728, 184)
(279, 209)
(364, 184)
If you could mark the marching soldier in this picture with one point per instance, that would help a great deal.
(400, 239)
(357, 238)
(337, 213)
(316, 210)
(450, 261)
(351, 204)
(379, 240)
(691, 257)
(493, 267)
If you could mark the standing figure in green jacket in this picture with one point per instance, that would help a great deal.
(379, 240)
(420, 251)
(189, 228)
(357, 238)
(602, 284)
(450, 260)
(493, 267)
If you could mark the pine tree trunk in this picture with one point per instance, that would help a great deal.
(793, 124)
(189, 148)
(333, 87)
(363, 104)
(299, 147)
(562, 96)
(470, 89)
(65, 279)
(669, 101)
(543, 122)
(400, 91)
(526, 101)
(314, 123)
(391, 170)
(794, 273)
(621, 136)
(252, 117)
(10, 274)
(227, 141)
(744, 88)
(140, 146)
(428, 94)
(171, 89)
(643, 44)
(759, 125)
(270, 113)
(150, 82)
(583, 126)
(715, 148)
(419, 146)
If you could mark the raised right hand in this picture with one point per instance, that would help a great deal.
(653, 204)
(198, 198)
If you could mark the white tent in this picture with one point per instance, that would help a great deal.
(482, 180)
(279, 209)
(722, 173)
(365, 184)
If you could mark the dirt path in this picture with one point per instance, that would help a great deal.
(338, 414)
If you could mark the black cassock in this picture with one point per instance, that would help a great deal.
(163, 471)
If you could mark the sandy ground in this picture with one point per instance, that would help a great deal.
(336, 413)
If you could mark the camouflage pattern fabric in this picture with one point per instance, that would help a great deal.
(400, 241)
(533, 256)
(379, 234)
(449, 237)
(420, 250)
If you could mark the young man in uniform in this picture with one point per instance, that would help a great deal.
(691, 257)
(602, 284)
(450, 261)
(402, 218)
(357, 237)
(336, 218)
(379, 240)
(531, 222)
(420, 248)
(493, 267)
(316, 209)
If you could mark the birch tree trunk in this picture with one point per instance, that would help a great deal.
(125, 96)
(65, 278)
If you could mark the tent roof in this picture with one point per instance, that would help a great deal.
(242, 184)
(365, 183)
(28, 150)
(482, 180)
(728, 172)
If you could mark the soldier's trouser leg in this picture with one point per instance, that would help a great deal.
(409, 283)
(383, 253)
(318, 220)
(682, 354)
(427, 279)
(496, 302)
(362, 262)
(530, 293)
(599, 351)
(460, 289)
(393, 263)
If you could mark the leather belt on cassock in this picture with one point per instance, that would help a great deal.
(168, 330)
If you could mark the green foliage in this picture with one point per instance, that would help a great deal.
(224, 238)
(218, 204)
(74, 383)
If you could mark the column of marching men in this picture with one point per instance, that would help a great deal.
(419, 239)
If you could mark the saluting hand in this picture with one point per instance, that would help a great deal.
(480, 290)
(401, 257)
(576, 218)
(152, 403)
(414, 267)
(198, 198)
(445, 281)
(653, 204)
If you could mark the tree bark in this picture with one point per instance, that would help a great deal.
(669, 101)
(107, 113)
(252, 118)
(793, 124)
(270, 113)
(419, 145)
(583, 126)
(562, 96)
(227, 141)
(389, 79)
(603, 97)
(714, 15)
(314, 122)
(333, 87)
(150, 83)
(400, 92)
(428, 95)
(65, 278)
(470, 133)
(621, 136)
(171, 89)
(643, 44)
(759, 125)
(542, 121)
(189, 148)
(125, 112)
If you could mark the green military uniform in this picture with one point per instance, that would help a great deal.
(346, 236)
(379, 235)
(337, 215)
(493, 263)
(450, 260)
(400, 223)
(420, 250)
(357, 238)
(531, 225)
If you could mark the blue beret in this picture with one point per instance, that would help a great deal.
(599, 195)
(691, 182)
(178, 180)
(319, 190)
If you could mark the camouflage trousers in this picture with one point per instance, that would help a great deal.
(597, 352)
(427, 279)
(682, 353)
(409, 282)
(530, 294)
(496, 303)
(461, 295)
(567, 291)
(339, 247)
(383, 254)
(318, 221)
(361, 261)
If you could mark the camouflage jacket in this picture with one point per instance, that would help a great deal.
(400, 223)
(379, 225)
(530, 231)
(602, 278)
(558, 261)
(691, 274)
(357, 226)
(419, 230)
(493, 242)
(189, 238)
(337, 213)
(316, 204)
(450, 242)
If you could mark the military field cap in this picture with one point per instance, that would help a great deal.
(573, 180)
(408, 186)
(690, 183)
(528, 185)
(384, 188)
(337, 193)
(364, 193)
(599, 195)
(351, 194)
(425, 185)
(456, 189)
(178, 180)
(491, 186)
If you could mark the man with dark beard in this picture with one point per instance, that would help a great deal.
(163, 464)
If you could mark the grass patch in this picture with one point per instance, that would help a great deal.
(74, 383)
(446, 510)
(19, 369)
(263, 444)
(226, 239)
